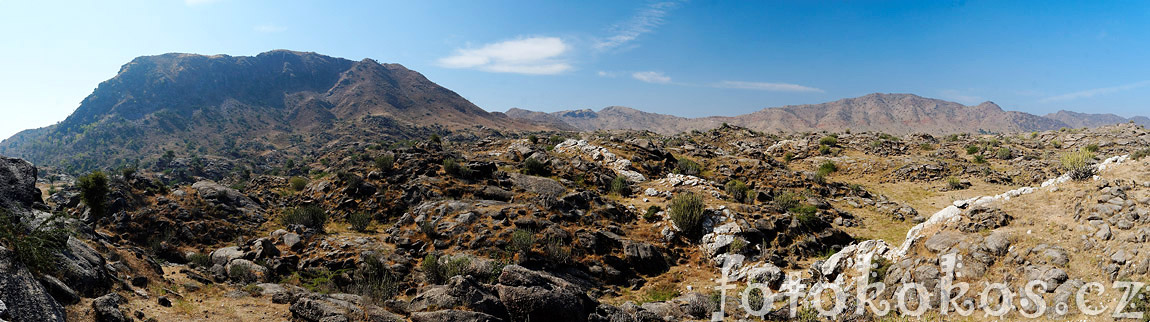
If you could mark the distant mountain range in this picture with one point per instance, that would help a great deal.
(892, 113)
(225, 105)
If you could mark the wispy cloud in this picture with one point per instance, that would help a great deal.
(199, 2)
(270, 28)
(1095, 92)
(643, 22)
(959, 96)
(652, 77)
(762, 86)
(604, 73)
(533, 56)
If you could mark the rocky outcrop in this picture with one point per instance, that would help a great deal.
(25, 298)
(537, 296)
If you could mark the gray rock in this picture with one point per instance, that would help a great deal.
(453, 316)
(461, 292)
(942, 241)
(645, 258)
(538, 185)
(225, 255)
(24, 298)
(107, 308)
(1119, 257)
(19, 189)
(292, 241)
(1056, 256)
(60, 291)
(537, 296)
(997, 243)
(84, 269)
(318, 307)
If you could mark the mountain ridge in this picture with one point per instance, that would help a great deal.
(895, 113)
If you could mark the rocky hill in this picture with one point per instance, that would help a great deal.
(892, 113)
(220, 105)
(1080, 120)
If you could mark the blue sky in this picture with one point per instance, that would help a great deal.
(689, 58)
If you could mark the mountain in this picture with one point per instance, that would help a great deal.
(1079, 120)
(210, 105)
(893, 113)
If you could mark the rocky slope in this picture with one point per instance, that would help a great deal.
(1080, 120)
(892, 113)
(244, 106)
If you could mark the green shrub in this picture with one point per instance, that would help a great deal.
(661, 292)
(926, 146)
(241, 273)
(687, 167)
(36, 247)
(435, 139)
(297, 183)
(652, 212)
(534, 167)
(787, 157)
(385, 162)
(522, 241)
(829, 140)
(1138, 155)
(952, 138)
(201, 260)
(736, 246)
(827, 168)
(805, 215)
(787, 200)
(1056, 144)
(824, 149)
(972, 149)
(556, 139)
(454, 169)
(979, 159)
(427, 229)
(687, 210)
(94, 192)
(1077, 164)
(308, 216)
(375, 281)
(533, 139)
(620, 185)
(359, 221)
(1004, 153)
(1092, 148)
(557, 251)
(737, 190)
(953, 183)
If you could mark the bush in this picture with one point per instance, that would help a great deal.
(1092, 148)
(241, 273)
(1077, 164)
(312, 217)
(385, 162)
(737, 190)
(36, 247)
(786, 200)
(374, 280)
(829, 140)
(427, 229)
(535, 167)
(972, 149)
(824, 149)
(687, 211)
(805, 216)
(454, 169)
(953, 183)
(1004, 153)
(435, 139)
(557, 251)
(621, 186)
(652, 212)
(787, 157)
(978, 159)
(926, 146)
(94, 192)
(297, 183)
(359, 221)
(521, 241)
(1138, 155)
(826, 168)
(688, 167)
(201, 260)
(1056, 144)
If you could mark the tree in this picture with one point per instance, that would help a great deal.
(94, 192)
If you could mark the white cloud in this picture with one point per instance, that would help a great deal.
(645, 21)
(604, 73)
(199, 2)
(535, 56)
(1095, 92)
(761, 86)
(958, 96)
(652, 77)
(270, 28)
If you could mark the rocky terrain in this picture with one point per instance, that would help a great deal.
(892, 113)
(592, 226)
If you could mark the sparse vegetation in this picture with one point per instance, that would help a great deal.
(954, 183)
(737, 190)
(385, 162)
(829, 140)
(1092, 148)
(1138, 155)
(359, 221)
(36, 247)
(621, 186)
(297, 183)
(979, 159)
(652, 213)
(522, 241)
(827, 167)
(1077, 164)
(534, 167)
(787, 157)
(1056, 144)
(687, 167)
(972, 149)
(312, 217)
(687, 212)
(1004, 153)
(824, 149)
(200, 260)
(453, 168)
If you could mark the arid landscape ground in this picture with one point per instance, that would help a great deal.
(309, 188)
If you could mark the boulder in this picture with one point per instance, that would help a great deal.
(645, 258)
(24, 298)
(107, 308)
(461, 292)
(453, 316)
(537, 296)
(19, 189)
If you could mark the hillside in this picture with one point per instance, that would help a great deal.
(1078, 120)
(198, 105)
(893, 113)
